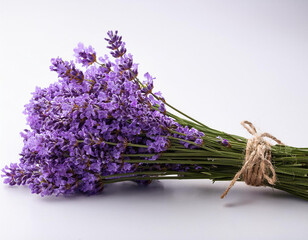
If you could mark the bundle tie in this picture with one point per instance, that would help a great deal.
(257, 165)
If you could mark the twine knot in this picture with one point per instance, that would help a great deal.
(257, 165)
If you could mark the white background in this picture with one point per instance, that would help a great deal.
(219, 61)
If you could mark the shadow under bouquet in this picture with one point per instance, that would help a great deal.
(102, 124)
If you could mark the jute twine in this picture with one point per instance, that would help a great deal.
(257, 166)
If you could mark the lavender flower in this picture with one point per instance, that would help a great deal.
(66, 70)
(85, 56)
(84, 127)
(224, 142)
(115, 44)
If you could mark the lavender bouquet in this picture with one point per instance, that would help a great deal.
(103, 124)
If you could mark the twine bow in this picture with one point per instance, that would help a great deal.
(257, 165)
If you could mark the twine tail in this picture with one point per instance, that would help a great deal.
(232, 183)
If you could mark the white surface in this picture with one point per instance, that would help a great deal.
(219, 61)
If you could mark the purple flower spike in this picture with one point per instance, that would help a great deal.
(224, 142)
(115, 44)
(148, 84)
(85, 56)
(66, 70)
